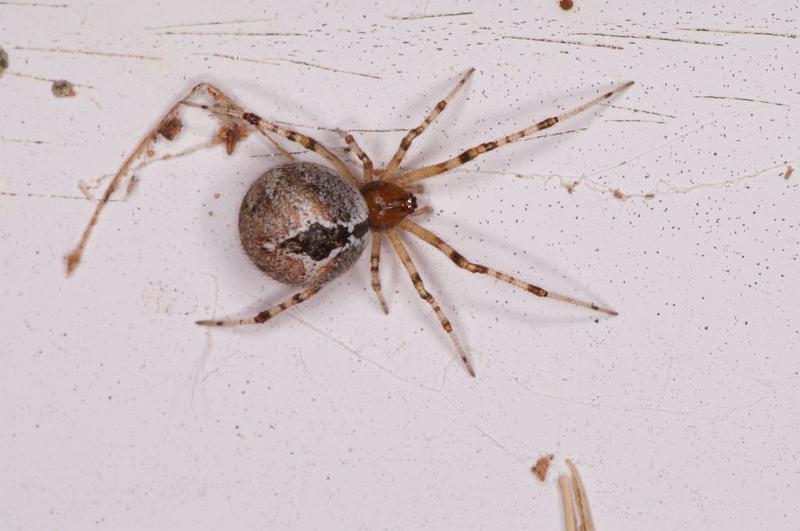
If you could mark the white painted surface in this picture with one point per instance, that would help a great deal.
(117, 412)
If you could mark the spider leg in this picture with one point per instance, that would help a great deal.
(402, 252)
(374, 264)
(267, 314)
(366, 162)
(430, 238)
(480, 149)
(414, 133)
(167, 127)
(266, 127)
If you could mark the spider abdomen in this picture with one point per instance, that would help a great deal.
(303, 224)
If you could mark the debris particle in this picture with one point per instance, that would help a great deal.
(230, 135)
(618, 194)
(649, 195)
(62, 88)
(217, 195)
(3, 61)
(789, 171)
(541, 466)
(170, 127)
(210, 213)
(566, 5)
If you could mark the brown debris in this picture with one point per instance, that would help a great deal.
(541, 466)
(170, 127)
(230, 135)
(61, 88)
(789, 171)
(566, 5)
(618, 194)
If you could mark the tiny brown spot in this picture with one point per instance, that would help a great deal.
(618, 194)
(789, 171)
(566, 5)
(541, 466)
(217, 195)
(170, 127)
(649, 195)
(210, 213)
(62, 89)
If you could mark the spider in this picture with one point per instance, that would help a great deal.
(304, 224)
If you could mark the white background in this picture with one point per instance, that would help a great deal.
(117, 412)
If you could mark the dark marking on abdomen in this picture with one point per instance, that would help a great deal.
(318, 241)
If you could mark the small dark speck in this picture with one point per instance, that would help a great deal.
(3, 61)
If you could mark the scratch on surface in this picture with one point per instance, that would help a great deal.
(340, 129)
(277, 60)
(48, 196)
(312, 65)
(742, 99)
(663, 187)
(21, 141)
(31, 4)
(557, 41)
(233, 33)
(639, 121)
(495, 441)
(237, 58)
(360, 356)
(646, 37)
(47, 79)
(440, 15)
(89, 52)
(547, 135)
(741, 32)
(213, 23)
(637, 110)
(202, 361)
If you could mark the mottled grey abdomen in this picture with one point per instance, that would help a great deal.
(303, 224)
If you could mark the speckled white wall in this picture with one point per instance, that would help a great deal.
(674, 204)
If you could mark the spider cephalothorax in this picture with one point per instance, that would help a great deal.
(304, 224)
(388, 204)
